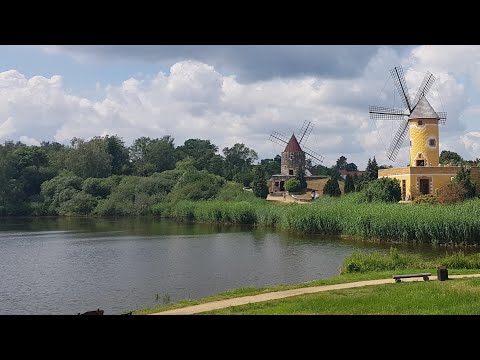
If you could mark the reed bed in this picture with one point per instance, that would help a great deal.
(436, 224)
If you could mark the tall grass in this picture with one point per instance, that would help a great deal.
(437, 224)
(375, 261)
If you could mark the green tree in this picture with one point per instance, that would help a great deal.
(270, 166)
(303, 181)
(89, 158)
(201, 151)
(80, 204)
(450, 157)
(351, 167)
(153, 155)
(238, 159)
(341, 163)
(120, 157)
(372, 169)
(384, 190)
(59, 190)
(259, 183)
(293, 185)
(332, 188)
(349, 185)
(196, 185)
(244, 177)
(463, 178)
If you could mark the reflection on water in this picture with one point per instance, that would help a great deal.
(66, 266)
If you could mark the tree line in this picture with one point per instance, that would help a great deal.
(41, 179)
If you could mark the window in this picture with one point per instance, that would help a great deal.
(410, 143)
(290, 172)
(420, 163)
(420, 122)
(431, 142)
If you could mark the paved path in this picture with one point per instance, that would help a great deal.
(221, 304)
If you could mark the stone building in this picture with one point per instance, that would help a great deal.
(292, 164)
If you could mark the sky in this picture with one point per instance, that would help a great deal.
(236, 94)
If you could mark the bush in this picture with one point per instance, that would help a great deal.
(463, 178)
(233, 191)
(451, 193)
(293, 185)
(375, 261)
(349, 184)
(80, 204)
(384, 190)
(332, 188)
(98, 187)
(426, 199)
(260, 188)
(196, 185)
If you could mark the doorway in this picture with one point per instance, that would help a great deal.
(282, 187)
(424, 185)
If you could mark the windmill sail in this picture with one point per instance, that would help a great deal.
(316, 158)
(401, 85)
(397, 140)
(278, 138)
(427, 83)
(305, 131)
(383, 113)
(442, 117)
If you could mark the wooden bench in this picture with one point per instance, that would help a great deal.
(94, 312)
(398, 278)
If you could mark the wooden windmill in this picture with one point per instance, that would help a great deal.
(419, 115)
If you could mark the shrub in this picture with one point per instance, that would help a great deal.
(332, 188)
(463, 178)
(426, 199)
(80, 204)
(384, 190)
(349, 184)
(260, 188)
(451, 193)
(375, 261)
(293, 185)
(233, 191)
(98, 187)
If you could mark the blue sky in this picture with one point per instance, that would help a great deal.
(234, 94)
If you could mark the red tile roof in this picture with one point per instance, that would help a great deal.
(293, 145)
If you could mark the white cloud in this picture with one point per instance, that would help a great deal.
(7, 128)
(29, 141)
(471, 141)
(195, 100)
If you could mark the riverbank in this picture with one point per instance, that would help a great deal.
(359, 269)
(347, 216)
(272, 300)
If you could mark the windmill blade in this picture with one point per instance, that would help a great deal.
(305, 131)
(401, 85)
(383, 113)
(316, 158)
(278, 138)
(442, 117)
(427, 83)
(397, 140)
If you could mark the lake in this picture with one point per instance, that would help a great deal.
(72, 265)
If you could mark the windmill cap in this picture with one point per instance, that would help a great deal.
(423, 110)
(293, 145)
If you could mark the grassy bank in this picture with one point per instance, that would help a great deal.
(459, 296)
(357, 267)
(436, 224)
